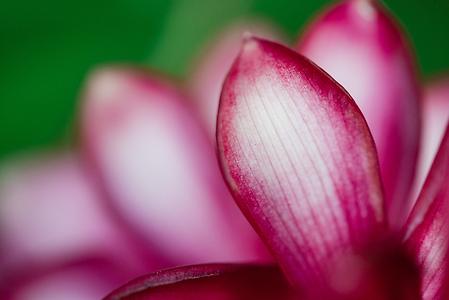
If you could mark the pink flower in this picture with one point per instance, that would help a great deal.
(329, 192)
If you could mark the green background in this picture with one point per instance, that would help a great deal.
(48, 46)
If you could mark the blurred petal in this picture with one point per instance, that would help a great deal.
(435, 115)
(84, 280)
(212, 66)
(218, 282)
(299, 159)
(360, 45)
(160, 171)
(50, 212)
(383, 271)
(427, 228)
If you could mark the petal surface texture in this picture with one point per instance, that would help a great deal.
(160, 170)
(298, 158)
(427, 228)
(50, 212)
(204, 282)
(358, 43)
(212, 66)
(435, 115)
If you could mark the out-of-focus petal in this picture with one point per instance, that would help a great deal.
(427, 230)
(159, 169)
(358, 43)
(218, 282)
(81, 280)
(299, 159)
(435, 116)
(384, 271)
(212, 66)
(51, 212)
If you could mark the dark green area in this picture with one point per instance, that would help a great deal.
(48, 46)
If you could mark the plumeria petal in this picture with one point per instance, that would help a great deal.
(358, 43)
(221, 282)
(159, 169)
(50, 212)
(299, 159)
(212, 66)
(435, 116)
(427, 230)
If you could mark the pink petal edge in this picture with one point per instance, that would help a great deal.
(435, 115)
(427, 229)
(215, 281)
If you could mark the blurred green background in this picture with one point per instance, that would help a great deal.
(48, 46)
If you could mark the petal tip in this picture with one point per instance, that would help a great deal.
(103, 83)
(250, 43)
(365, 9)
(246, 36)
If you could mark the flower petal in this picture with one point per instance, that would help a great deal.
(299, 159)
(383, 271)
(221, 282)
(358, 43)
(435, 115)
(427, 227)
(86, 280)
(51, 212)
(212, 66)
(160, 171)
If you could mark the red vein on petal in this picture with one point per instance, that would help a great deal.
(353, 214)
(292, 237)
(315, 217)
(331, 153)
(321, 155)
(327, 144)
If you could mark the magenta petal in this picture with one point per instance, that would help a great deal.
(435, 115)
(82, 280)
(204, 282)
(382, 271)
(160, 170)
(51, 212)
(213, 65)
(299, 159)
(358, 43)
(427, 230)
